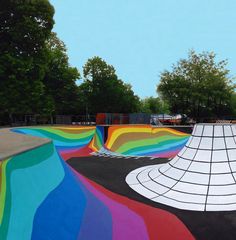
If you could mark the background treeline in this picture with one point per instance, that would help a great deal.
(199, 87)
(36, 77)
(35, 74)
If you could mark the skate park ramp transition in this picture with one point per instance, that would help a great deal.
(42, 197)
(140, 140)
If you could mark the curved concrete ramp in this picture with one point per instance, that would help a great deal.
(201, 177)
(145, 141)
(136, 140)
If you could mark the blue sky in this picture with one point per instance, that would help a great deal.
(143, 38)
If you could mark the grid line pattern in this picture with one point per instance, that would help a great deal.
(201, 177)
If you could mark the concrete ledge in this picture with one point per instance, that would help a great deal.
(12, 143)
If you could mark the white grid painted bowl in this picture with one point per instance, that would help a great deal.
(202, 177)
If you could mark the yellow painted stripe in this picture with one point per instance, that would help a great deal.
(115, 133)
(74, 128)
(3, 188)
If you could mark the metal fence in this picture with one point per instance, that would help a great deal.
(100, 119)
(37, 119)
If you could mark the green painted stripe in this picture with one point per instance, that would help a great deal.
(24, 160)
(68, 138)
(147, 142)
(3, 188)
(155, 146)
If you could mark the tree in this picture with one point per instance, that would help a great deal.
(24, 27)
(154, 105)
(198, 86)
(103, 91)
(233, 104)
(60, 78)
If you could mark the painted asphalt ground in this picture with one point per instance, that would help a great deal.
(110, 172)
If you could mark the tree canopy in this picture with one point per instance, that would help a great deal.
(198, 86)
(154, 105)
(103, 91)
(35, 74)
(24, 28)
(60, 78)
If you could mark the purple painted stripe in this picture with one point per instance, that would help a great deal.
(126, 223)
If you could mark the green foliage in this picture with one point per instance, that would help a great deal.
(233, 104)
(60, 78)
(198, 86)
(35, 75)
(154, 105)
(24, 27)
(102, 91)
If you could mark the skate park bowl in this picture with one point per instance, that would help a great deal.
(141, 140)
(69, 182)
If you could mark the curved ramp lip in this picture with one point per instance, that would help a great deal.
(202, 177)
(14, 143)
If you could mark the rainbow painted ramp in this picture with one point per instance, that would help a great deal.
(136, 141)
